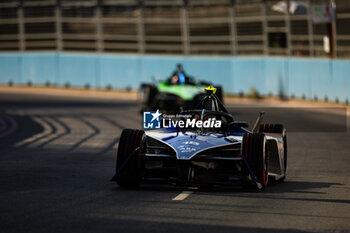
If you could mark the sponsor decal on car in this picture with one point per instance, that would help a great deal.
(153, 120)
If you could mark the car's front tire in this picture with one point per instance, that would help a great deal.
(129, 167)
(253, 151)
(147, 95)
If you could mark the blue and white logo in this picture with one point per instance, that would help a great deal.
(151, 120)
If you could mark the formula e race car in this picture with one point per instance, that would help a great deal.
(180, 91)
(205, 146)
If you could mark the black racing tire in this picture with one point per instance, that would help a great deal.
(147, 95)
(196, 100)
(219, 93)
(277, 128)
(129, 170)
(253, 150)
(271, 128)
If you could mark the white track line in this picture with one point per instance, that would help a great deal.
(9, 130)
(47, 140)
(47, 131)
(182, 196)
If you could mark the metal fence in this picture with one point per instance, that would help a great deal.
(188, 27)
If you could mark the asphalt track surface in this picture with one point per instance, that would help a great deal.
(57, 155)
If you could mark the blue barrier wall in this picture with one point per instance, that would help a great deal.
(269, 75)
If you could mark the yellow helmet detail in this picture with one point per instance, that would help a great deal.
(210, 89)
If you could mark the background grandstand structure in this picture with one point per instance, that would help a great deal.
(184, 27)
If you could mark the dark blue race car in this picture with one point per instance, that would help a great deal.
(223, 152)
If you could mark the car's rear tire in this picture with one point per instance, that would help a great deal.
(253, 150)
(277, 128)
(129, 167)
(219, 93)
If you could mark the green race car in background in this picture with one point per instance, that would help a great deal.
(178, 92)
